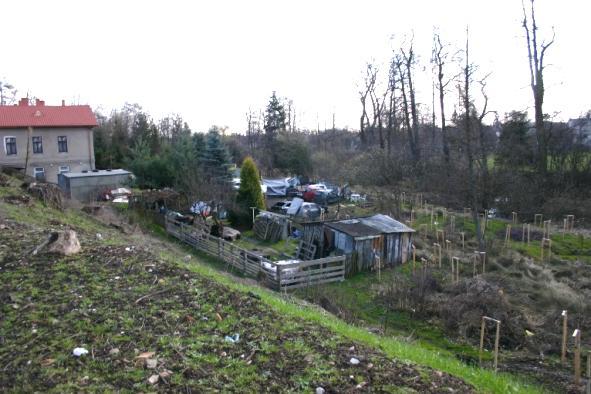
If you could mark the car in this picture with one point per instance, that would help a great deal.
(280, 207)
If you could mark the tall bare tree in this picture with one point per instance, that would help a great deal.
(467, 74)
(369, 83)
(439, 58)
(536, 52)
(409, 100)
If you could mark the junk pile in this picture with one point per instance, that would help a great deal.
(50, 194)
(268, 227)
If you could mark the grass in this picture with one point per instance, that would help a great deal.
(284, 330)
(484, 380)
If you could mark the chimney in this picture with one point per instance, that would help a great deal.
(63, 103)
(39, 103)
(24, 102)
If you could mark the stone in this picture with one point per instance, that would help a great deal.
(151, 363)
(153, 379)
(66, 243)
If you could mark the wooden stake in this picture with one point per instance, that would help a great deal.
(528, 231)
(564, 226)
(455, 260)
(483, 258)
(414, 258)
(497, 334)
(564, 335)
(439, 252)
(507, 235)
(482, 326)
(448, 248)
(588, 389)
(577, 336)
(523, 233)
(514, 217)
(497, 338)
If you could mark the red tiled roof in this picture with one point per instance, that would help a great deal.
(41, 115)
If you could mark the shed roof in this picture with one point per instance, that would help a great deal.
(353, 227)
(95, 173)
(41, 115)
(385, 224)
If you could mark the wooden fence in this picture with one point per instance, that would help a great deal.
(278, 275)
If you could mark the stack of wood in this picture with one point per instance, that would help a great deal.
(268, 228)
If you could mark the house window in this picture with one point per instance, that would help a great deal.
(37, 144)
(39, 173)
(10, 145)
(64, 169)
(62, 143)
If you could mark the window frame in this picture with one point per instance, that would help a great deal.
(64, 142)
(36, 172)
(6, 138)
(61, 171)
(40, 144)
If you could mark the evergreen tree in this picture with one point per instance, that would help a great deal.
(274, 118)
(216, 159)
(249, 193)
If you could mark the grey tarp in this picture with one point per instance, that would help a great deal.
(276, 187)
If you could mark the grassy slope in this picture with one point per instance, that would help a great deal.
(295, 318)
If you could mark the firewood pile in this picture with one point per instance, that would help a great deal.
(268, 229)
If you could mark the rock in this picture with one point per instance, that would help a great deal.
(79, 351)
(153, 379)
(320, 390)
(165, 374)
(187, 258)
(352, 349)
(114, 352)
(354, 361)
(151, 363)
(66, 243)
(99, 236)
(146, 355)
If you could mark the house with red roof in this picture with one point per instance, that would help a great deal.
(45, 140)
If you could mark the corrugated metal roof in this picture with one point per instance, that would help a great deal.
(95, 173)
(385, 224)
(13, 116)
(353, 227)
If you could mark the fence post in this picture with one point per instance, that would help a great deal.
(278, 268)
(577, 336)
(564, 334)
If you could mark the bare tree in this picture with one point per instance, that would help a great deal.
(439, 58)
(536, 54)
(369, 86)
(467, 73)
(409, 102)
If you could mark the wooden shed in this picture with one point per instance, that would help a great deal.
(362, 240)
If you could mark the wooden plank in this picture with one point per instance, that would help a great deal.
(306, 284)
(309, 273)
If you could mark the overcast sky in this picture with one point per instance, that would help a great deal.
(212, 61)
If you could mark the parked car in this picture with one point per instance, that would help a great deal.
(280, 207)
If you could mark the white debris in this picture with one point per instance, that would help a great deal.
(354, 361)
(114, 352)
(320, 390)
(233, 339)
(99, 236)
(79, 351)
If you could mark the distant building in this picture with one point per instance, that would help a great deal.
(47, 140)
(88, 186)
